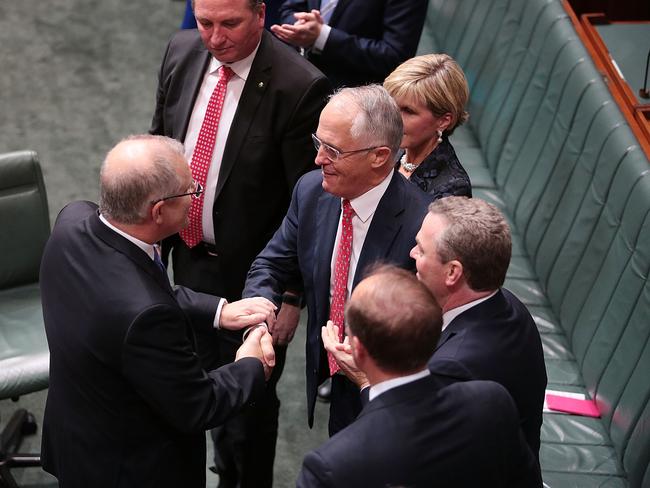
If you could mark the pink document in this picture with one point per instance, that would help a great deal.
(575, 406)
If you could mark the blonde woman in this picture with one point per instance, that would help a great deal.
(431, 91)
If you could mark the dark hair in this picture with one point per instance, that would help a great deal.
(396, 319)
(253, 4)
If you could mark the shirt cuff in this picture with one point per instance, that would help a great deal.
(217, 315)
(319, 43)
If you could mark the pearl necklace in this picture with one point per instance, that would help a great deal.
(410, 167)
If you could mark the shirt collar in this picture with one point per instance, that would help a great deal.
(148, 248)
(241, 68)
(365, 205)
(450, 315)
(384, 386)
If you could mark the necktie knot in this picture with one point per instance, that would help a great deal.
(225, 73)
(348, 211)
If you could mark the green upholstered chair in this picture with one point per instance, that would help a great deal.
(24, 355)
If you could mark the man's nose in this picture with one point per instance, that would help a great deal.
(217, 36)
(321, 159)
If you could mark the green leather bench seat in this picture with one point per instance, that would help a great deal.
(546, 143)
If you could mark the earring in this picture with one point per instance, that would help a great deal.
(439, 136)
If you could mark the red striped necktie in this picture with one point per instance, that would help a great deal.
(341, 271)
(202, 156)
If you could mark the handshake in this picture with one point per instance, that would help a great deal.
(252, 313)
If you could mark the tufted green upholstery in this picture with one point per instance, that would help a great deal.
(547, 144)
(24, 356)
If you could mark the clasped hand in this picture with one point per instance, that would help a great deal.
(258, 344)
(304, 32)
(342, 353)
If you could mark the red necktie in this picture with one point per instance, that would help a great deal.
(202, 156)
(341, 270)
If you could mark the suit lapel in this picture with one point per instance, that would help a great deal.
(130, 250)
(327, 222)
(254, 89)
(195, 72)
(384, 227)
(477, 314)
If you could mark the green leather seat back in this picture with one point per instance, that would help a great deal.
(24, 216)
(569, 173)
(24, 355)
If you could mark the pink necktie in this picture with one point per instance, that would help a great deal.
(202, 156)
(341, 270)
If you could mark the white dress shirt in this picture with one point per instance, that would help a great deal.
(450, 315)
(234, 90)
(148, 249)
(384, 386)
(364, 208)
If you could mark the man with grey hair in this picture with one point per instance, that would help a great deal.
(352, 212)
(128, 402)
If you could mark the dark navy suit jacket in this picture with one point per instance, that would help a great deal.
(128, 403)
(369, 38)
(302, 249)
(431, 432)
(269, 147)
(497, 340)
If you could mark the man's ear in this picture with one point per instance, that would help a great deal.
(381, 155)
(157, 210)
(454, 273)
(359, 352)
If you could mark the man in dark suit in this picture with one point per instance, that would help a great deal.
(358, 136)
(258, 149)
(129, 402)
(420, 428)
(354, 42)
(462, 256)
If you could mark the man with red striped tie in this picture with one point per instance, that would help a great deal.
(354, 211)
(244, 104)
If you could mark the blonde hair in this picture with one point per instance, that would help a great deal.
(434, 80)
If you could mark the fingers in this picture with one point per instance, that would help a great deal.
(266, 344)
(246, 312)
(305, 16)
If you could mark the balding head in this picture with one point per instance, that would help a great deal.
(396, 319)
(138, 170)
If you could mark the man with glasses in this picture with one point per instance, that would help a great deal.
(354, 211)
(129, 401)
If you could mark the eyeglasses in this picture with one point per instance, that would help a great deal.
(334, 154)
(195, 191)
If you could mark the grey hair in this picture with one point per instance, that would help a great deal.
(377, 121)
(126, 197)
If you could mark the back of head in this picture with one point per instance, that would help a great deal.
(377, 119)
(396, 319)
(478, 236)
(434, 80)
(137, 171)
